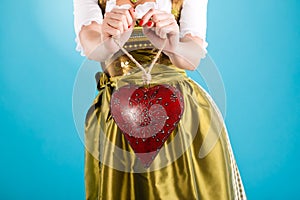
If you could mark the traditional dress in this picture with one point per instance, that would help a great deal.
(179, 171)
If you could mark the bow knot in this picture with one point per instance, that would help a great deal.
(102, 80)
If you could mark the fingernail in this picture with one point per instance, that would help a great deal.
(149, 23)
(141, 22)
(129, 26)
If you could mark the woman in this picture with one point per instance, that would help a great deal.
(185, 166)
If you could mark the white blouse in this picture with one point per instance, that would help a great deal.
(192, 19)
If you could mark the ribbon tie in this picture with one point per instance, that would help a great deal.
(102, 80)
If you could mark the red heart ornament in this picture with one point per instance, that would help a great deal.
(147, 116)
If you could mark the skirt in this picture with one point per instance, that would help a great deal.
(195, 162)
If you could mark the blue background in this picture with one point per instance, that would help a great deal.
(255, 44)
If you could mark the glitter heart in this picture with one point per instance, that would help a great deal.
(147, 116)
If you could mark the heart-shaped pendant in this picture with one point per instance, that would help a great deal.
(147, 116)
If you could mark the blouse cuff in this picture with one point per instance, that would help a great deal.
(77, 39)
(194, 33)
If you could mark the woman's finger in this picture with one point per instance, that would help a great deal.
(116, 24)
(126, 13)
(111, 31)
(163, 31)
(162, 16)
(120, 17)
(147, 16)
(132, 14)
(165, 22)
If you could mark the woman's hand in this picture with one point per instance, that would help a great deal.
(97, 40)
(117, 22)
(159, 26)
(184, 53)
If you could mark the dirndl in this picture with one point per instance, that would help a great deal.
(195, 162)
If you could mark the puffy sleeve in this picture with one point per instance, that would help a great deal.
(193, 19)
(85, 11)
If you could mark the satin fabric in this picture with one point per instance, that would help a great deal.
(112, 170)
